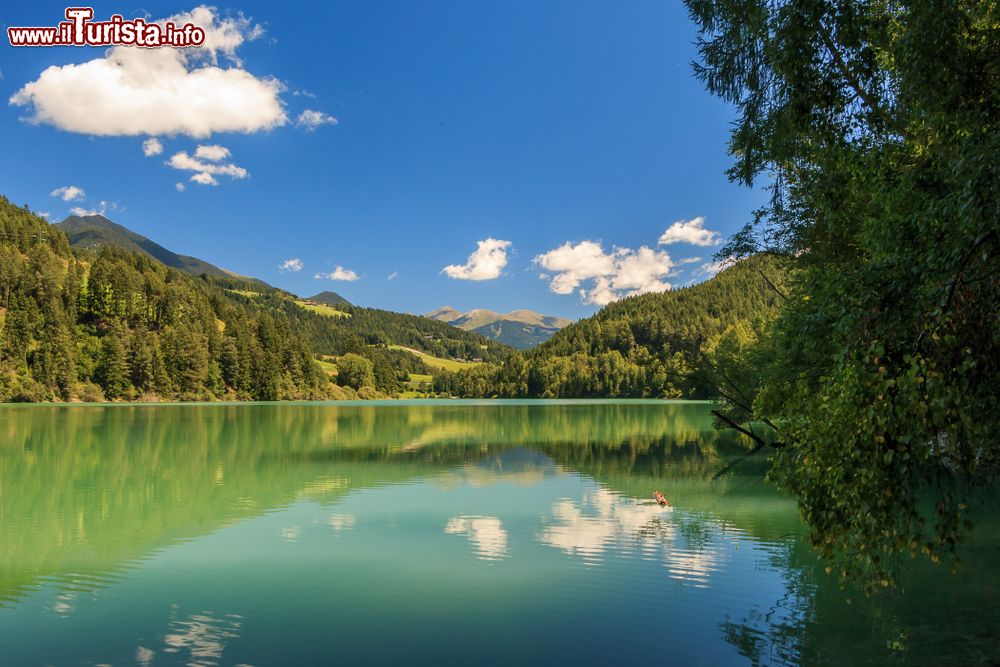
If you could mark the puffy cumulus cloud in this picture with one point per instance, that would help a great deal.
(690, 231)
(339, 273)
(44, 214)
(69, 193)
(573, 264)
(205, 163)
(622, 272)
(133, 91)
(212, 152)
(180, 186)
(310, 119)
(294, 265)
(204, 178)
(485, 263)
(151, 147)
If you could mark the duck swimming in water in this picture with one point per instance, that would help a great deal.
(658, 497)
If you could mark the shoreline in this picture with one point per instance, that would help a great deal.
(386, 402)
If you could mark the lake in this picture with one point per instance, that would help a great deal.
(434, 531)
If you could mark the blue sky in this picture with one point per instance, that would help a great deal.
(538, 124)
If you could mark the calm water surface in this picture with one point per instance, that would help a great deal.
(453, 532)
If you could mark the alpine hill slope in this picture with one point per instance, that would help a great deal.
(104, 319)
(657, 345)
(521, 329)
(96, 231)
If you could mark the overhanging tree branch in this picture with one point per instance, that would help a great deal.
(855, 84)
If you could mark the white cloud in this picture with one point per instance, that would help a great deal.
(310, 119)
(690, 231)
(485, 263)
(166, 91)
(206, 171)
(180, 186)
(392, 276)
(212, 152)
(102, 208)
(44, 214)
(573, 264)
(69, 193)
(339, 273)
(151, 147)
(622, 272)
(204, 178)
(711, 268)
(294, 265)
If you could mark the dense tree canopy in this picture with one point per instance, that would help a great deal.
(112, 324)
(875, 126)
(652, 345)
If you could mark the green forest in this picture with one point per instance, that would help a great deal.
(112, 324)
(658, 345)
(873, 126)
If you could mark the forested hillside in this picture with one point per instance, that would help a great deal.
(108, 323)
(96, 231)
(652, 345)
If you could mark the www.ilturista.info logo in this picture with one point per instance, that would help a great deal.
(79, 30)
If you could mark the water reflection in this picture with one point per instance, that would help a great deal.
(486, 534)
(606, 523)
(601, 521)
(201, 638)
(341, 522)
(412, 512)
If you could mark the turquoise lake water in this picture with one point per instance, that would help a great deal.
(449, 532)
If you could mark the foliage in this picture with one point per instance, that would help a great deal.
(875, 124)
(112, 324)
(651, 345)
(355, 371)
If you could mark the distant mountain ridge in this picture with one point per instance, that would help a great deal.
(328, 298)
(96, 231)
(520, 329)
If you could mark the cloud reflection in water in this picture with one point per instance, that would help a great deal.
(605, 522)
(486, 533)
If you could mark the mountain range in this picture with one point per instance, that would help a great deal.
(520, 329)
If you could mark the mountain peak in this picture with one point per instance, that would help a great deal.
(328, 298)
(444, 314)
(518, 328)
(96, 231)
